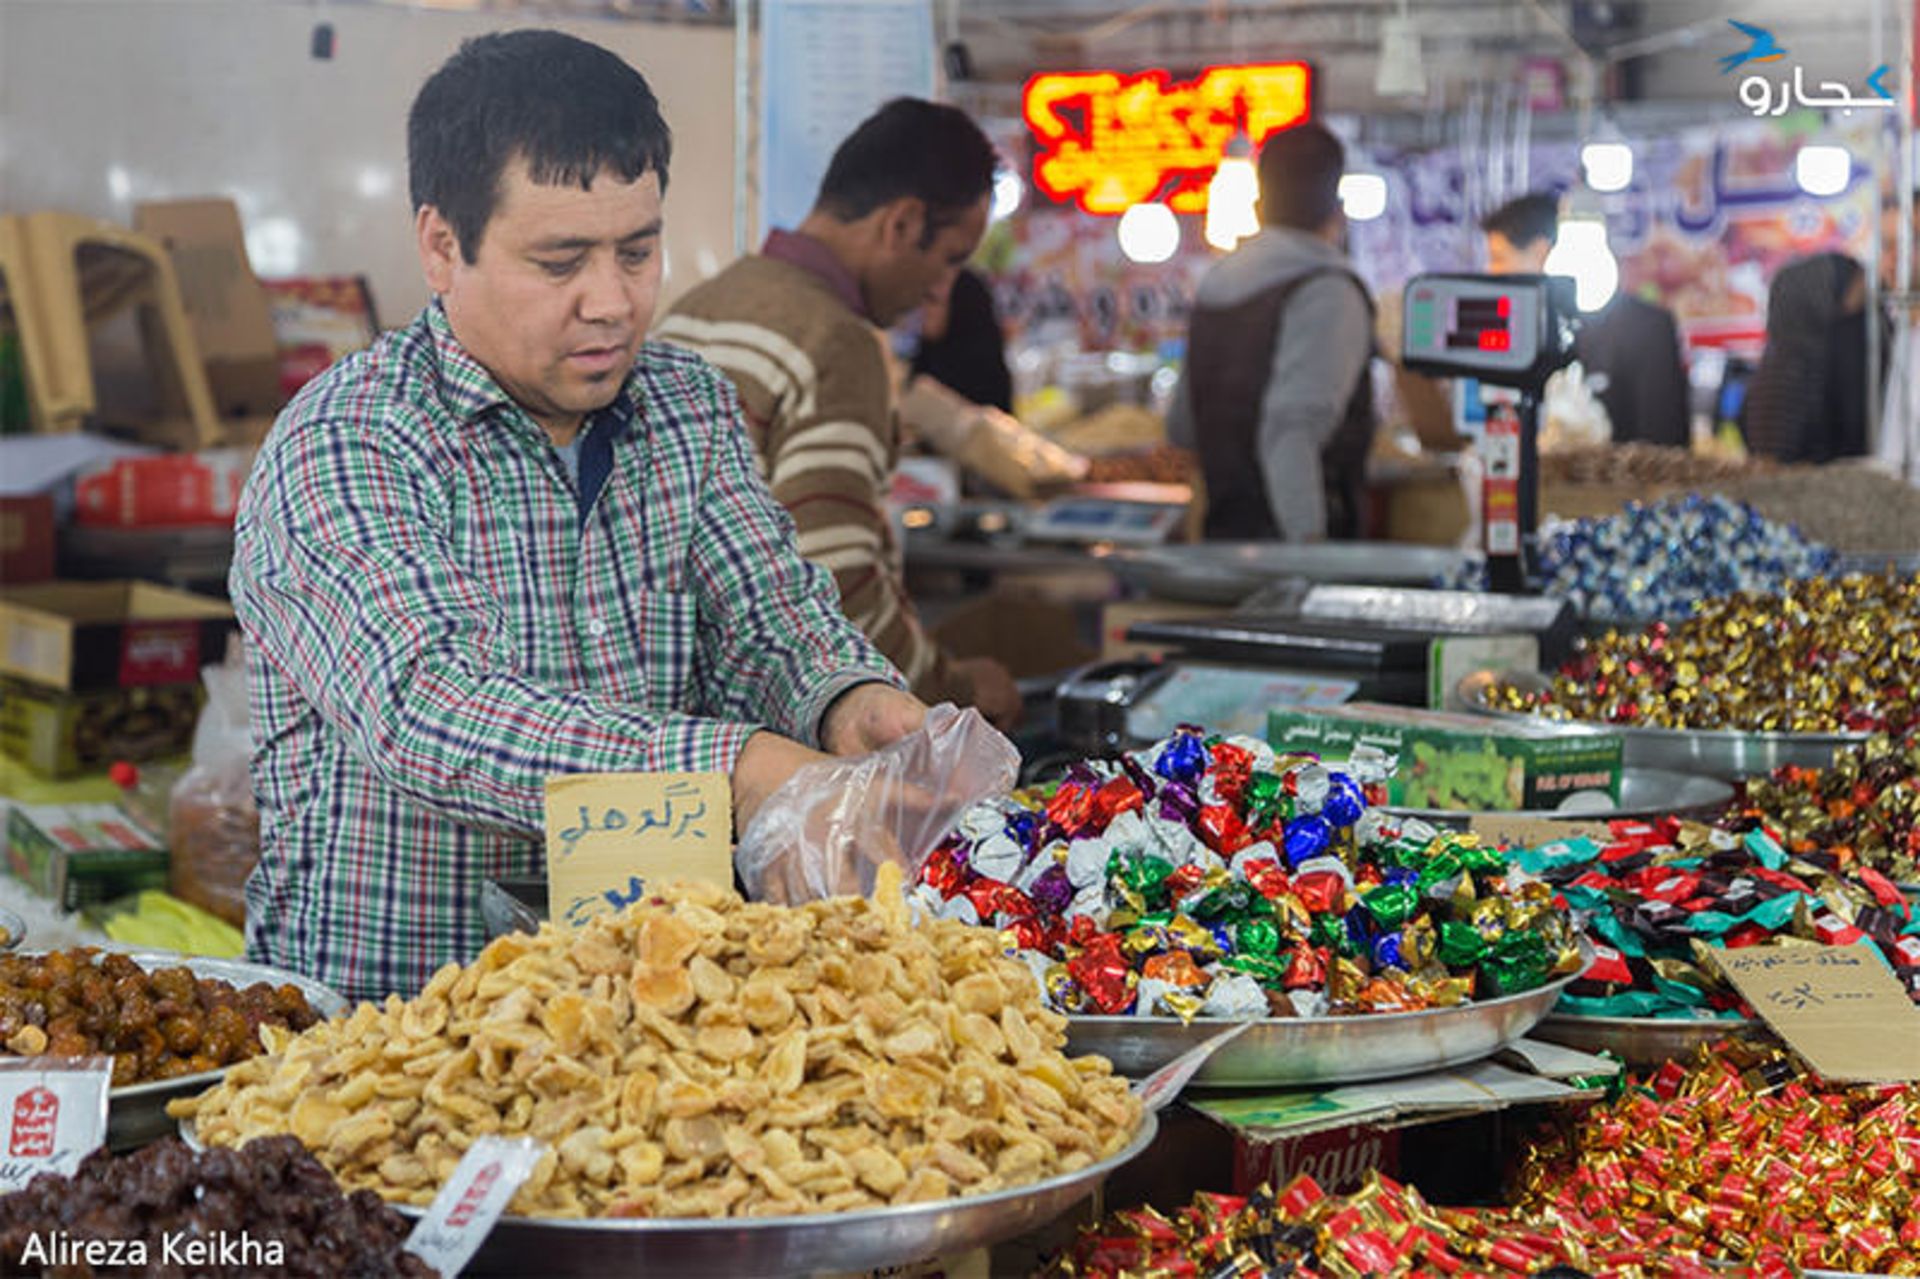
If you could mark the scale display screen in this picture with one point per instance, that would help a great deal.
(1498, 328)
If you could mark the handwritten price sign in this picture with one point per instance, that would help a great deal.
(1840, 1007)
(610, 836)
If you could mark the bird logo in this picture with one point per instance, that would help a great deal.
(1764, 48)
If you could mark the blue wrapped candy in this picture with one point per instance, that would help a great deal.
(1306, 838)
(1182, 759)
(1345, 800)
(1390, 951)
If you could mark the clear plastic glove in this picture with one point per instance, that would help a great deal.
(827, 830)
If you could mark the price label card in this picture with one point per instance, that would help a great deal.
(1840, 1007)
(55, 1112)
(462, 1214)
(612, 835)
(1166, 1083)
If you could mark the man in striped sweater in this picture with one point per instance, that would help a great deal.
(797, 327)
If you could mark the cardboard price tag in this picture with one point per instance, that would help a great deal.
(1840, 1007)
(55, 1114)
(610, 835)
(1531, 832)
(462, 1214)
(1164, 1084)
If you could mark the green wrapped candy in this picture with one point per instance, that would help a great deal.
(1147, 876)
(1517, 961)
(1461, 944)
(1257, 937)
(1229, 903)
(1391, 905)
(1262, 968)
(1330, 931)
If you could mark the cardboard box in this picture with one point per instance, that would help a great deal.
(82, 854)
(1454, 761)
(231, 316)
(170, 491)
(65, 734)
(26, 539)
(76, 636)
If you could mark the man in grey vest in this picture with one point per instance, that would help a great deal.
(1274, 395)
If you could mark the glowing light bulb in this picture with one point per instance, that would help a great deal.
(1608, 165)
(1363, 195)
(1582, 253)
(1823, 170)
(1149, 233)
(1231, 200)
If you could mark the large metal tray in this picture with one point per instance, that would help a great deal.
(747, 1247)
(1228, 572)
(1643, 1043)
(1727, 755)
(1644, 792)
(1293, 1051)
(137, 1113)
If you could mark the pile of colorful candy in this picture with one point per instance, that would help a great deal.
(1209, 877)
(1381, 1229)
(1657, 893)
(1658, 560)
(1826, 655)
(1738, 1157)
(1864, 811)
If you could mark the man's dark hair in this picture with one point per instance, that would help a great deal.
(910, 147)
(1534, 216)
(1300, 172)
(570, 109)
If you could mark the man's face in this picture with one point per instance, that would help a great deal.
(557, 302)
(904, 275)
(1504, 257)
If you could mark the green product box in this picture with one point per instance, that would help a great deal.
(82, 854)
(61, 734)
(1444, 759)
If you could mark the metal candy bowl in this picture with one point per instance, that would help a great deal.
(1294, 1051)
(1726, 754)
(13, 930)
(1644, 792)
(1643, 1043)
(137, 1113)
(746, 1247)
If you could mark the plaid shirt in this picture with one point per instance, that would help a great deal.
(435, 627)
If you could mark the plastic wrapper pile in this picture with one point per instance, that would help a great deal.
(1206, 876)
(1657, 560)
(1742, 1158)
(1382, 1229)
(1826, 655)
(1864, 810)
(1657, 895)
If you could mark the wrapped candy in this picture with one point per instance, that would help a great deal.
(1826, 655)
(1862, 814)
(1206, 876)
(1656, 896)
(1655, 560)
(1741, 1158)
(1382, 1228)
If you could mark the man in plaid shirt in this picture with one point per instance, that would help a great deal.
(514, 539)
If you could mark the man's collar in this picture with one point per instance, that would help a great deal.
(471, 393)
(814, 257)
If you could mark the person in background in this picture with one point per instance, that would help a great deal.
(962, 345)
(901, 209)
(1274, 394)
(514, 539)
(1807, 401)
(1629, 348)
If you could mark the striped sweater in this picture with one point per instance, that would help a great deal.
(814, 381)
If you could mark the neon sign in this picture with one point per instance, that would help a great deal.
(1109, 140)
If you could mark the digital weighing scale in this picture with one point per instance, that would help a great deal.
(1511, 332)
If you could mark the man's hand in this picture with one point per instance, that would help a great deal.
(994, 692)
(763, 767)
(869, 716)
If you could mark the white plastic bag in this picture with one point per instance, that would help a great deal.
(827, 830)
(215, 833)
